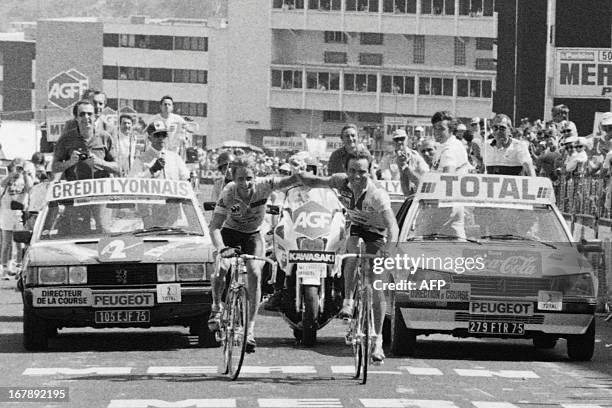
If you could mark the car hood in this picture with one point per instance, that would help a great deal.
(151, 250)
(493, 258)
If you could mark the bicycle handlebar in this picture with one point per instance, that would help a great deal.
(246, 257)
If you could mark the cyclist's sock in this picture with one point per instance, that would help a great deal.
(378, 340)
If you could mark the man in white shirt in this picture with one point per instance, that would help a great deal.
(451, 156)
(126, 144)
(157, 161)
(505, 155)
(177, 137)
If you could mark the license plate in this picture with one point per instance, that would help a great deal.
(487, 327)
(123, 316)
(311, 270)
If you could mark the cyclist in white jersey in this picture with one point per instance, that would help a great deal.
(372, 219)
(236, 223)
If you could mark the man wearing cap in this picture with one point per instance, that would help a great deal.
(419, 135)
(84, 152)
(461, 129)
(411, 165)
(388, 164)
(605, 142)
(505, 155)
(157, 161)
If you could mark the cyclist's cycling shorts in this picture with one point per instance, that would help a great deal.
(248, 242)
(373, 241)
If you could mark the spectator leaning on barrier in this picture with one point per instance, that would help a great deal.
(505, 155)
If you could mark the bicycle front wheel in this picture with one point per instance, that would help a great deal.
(366, 327)
(236, 331)
(355, 330)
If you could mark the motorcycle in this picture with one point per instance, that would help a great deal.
(310, 231)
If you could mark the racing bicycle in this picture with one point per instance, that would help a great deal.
(360, 334)
(232, 333)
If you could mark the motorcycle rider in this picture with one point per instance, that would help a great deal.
(236, 223)
(372, 219)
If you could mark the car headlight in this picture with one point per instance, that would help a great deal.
(166, 273)
(77, 275)
(574, 285)
(190, 272)
(52, 275)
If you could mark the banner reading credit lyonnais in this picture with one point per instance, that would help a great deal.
(583, 72)
(118, 186)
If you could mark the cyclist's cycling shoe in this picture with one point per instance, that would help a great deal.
(274, 301)
(378, 355)
(214, 320)
(250, 344)
(346, 312)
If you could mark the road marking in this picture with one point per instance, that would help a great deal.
(351, 370)
(405, 403)
(191, 403)
(299, 402)
(489, 404)
(278, 369)
(78, 371)
(492, 373)
(183, 370)
(572, 405)
(421, 370)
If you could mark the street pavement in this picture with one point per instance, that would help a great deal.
(162, 367)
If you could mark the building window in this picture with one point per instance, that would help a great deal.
(127, 40)
(419, 49)
(360, 82)
(369, 117)
(191, 109)
(371, 38)
(325, 5)
(191, 43)
(190, 76)
(476, 8)
(486, 64)
(110, 72)
(288, 4)
(160, 75)
(399, 6)
(435, 86)
(323, 81)
(160, 42)
(370, 59)
(110, 40)
(333, 116)
(484, 43)
(438, 7)
(335, 37)
(397, 84)
(287, 79)
(331, 57)
(474, 88)
(459, 51)
(362, 5)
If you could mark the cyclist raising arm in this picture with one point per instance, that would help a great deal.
(236, 222)
(372, 219)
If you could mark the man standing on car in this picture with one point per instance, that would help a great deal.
(85, 152)
(450, 156)
(157, 161)
(505, 155)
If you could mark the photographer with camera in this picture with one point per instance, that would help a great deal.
(85, 152)
(15, 188)
(410, 163)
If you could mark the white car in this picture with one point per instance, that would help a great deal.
(489, 256)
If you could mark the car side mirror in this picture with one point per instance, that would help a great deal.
(594, 245)
(22, 237)
(209, 205)
(273, 209)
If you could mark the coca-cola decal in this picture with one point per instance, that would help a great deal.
(508, 263)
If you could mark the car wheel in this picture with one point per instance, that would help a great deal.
(403, 340)
(544, 342)
(35, 334)
(581, 346)
(206, 338)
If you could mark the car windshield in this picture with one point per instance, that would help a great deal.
(485, 222)
(93, 217)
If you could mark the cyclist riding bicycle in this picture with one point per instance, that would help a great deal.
(236, 223)
(372, 219)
